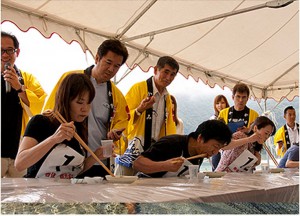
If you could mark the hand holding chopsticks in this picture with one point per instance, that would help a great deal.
(61, 119)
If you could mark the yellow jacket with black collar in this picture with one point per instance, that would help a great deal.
(224, 115)
(135, 95)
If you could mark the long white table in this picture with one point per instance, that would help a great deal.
(233, 187)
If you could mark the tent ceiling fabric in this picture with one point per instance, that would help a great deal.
(259, 47)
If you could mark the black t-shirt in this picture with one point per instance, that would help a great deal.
(238, 116)
(166, 148)
(11, 122)
(40, 127)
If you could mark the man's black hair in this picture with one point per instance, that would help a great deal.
(213, 129)
(288, 108)
(13, 37)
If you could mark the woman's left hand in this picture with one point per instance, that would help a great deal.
(99, 153)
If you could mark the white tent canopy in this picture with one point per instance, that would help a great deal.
(220, 42)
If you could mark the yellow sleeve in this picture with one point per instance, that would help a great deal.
(50, 102)
(279, 135)
(35, 93)
(224, 115)
(252, 116)
(36, 97)
(120, 118)
(134, 97)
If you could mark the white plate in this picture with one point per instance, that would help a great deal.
(214, 174)
(121, 179)
(276, 170)
(87, 180)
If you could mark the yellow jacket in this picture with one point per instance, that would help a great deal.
(36, 97)
(135, 95)
(119, 119)
(280, 136)
(136, 130)
(252, 115)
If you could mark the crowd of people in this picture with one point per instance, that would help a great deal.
(147, 134)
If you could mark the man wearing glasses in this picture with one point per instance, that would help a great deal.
(21, 97)
(151, 111)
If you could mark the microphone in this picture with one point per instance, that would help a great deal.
(7, 84)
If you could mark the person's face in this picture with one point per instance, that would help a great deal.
(290, 116)
(211, 147)
(107, 66)
(264, 133)
(240, 100)
(8, 44)
(80, 108)
(164, 76)
(221, 104)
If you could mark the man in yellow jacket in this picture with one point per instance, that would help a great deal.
(288, 134)
(239, 112)
(151, 111)
(109, 114)
(21, 97)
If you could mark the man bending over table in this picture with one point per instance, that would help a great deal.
(166, 157)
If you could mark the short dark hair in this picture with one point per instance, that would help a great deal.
(213, 129)
(241, 87)
(288, 108)
(162, 61)
(115, 46)
(13, 37)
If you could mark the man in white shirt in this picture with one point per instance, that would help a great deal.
(151, 111)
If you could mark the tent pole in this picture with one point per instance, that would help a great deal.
(270, 4)
(283, 74)
(83, 41)
(281, 100)
(146, 55)
(255, 98)
(136, 19)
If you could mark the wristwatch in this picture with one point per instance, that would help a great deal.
(22, 89)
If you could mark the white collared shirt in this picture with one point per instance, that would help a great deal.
(293, 134)
(158, 111)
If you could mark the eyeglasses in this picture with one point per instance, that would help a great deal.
(8, 51)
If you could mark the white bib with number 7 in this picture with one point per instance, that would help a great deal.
(62, 162)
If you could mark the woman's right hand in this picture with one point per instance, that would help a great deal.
(256, 137)
(65, 131)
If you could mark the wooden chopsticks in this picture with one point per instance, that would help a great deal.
(270, 154)
(193, 157)
(197, 156)
(61, 119)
